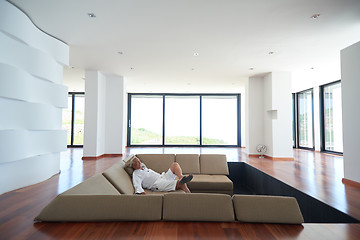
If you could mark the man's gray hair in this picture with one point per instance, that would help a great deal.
(132, 161)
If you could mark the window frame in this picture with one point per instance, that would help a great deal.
(73, 95)
(297, 120)
(238, 96)
(322, 118)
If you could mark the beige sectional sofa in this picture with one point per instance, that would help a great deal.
(109, 196)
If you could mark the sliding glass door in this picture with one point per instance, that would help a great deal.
(305, 122)
(184, 119)
(332, 139)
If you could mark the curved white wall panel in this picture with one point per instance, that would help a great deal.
(15, 23)
(20, 144)
(17, 84)
(36, 63)
(28, 171)
(31, 116)
(31, 100)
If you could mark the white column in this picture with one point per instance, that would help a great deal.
(31, 101)
(94, 129)
(254, 127)
(278, 115)
(269, 114)
(350, 85)
(115, 115)
(105, 111)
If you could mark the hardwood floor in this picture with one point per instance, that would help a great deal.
(316, 174)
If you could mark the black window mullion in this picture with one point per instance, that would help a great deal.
(239, 121)
(129, 120)
(201, 143)
(163, 130)
(322, 123)
(72, 119)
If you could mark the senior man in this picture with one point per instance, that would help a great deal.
(144, 177)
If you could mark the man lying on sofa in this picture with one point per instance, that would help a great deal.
(164, 182)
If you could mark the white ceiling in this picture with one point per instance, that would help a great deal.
(158, 39)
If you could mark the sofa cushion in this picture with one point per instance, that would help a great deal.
(213, 164)
(189, 163)
(157, 162)
(267, 209)
(117, 176)
(80, 208)
(198, 207)
(204, 182)
(127, 166)
(95, 185)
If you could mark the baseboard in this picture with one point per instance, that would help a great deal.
(272, 158)
(102, 156)
(351, 183)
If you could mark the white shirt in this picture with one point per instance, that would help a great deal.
(144, 177)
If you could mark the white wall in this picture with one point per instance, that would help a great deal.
(31, 100)
(350, 85)
(104, 114)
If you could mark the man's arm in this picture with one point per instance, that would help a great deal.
(137, 183)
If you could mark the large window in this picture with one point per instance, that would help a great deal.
(184, 119)
(219, 120)
(305, 121)
(73, 119)
(331, 117)
(146, 120)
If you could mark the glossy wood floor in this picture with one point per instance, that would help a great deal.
(316, 174)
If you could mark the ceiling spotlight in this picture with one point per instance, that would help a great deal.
(196, 54)
(315, 16)
(92, 15)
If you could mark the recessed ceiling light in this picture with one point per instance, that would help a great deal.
(121, 53)
(315, 16)
(92, 15)
(251, 68)
(271, 53)
(196, 54)
(312, 68)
